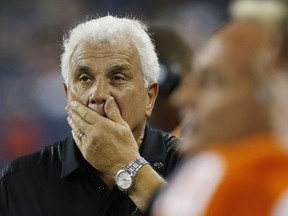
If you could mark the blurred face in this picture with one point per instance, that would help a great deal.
(218, 100)
(97, 73)
(280, 105)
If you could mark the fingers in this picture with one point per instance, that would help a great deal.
(82, 111)
(77, 126)
(113, 112)
(82, 117)
(77, 140)
(75, 137)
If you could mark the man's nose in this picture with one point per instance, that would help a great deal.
(99, 92)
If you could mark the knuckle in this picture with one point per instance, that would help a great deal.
(85, 114)
(78, 132)
(78, 121)
(114, 112)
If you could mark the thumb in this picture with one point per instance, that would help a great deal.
(113, 112)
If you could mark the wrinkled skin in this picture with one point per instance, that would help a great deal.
(109, 81)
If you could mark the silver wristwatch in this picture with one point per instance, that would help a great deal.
(125, 177)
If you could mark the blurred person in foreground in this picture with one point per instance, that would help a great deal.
(175, 59)
(113, 162)
(235, 165)
(273, 14)
(279, 86)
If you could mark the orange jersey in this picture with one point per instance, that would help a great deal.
(244, 178)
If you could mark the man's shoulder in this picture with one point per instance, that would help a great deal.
(46, 155)
(161, 150)
(171, 141)
(168, 139)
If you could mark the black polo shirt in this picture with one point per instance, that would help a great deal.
(58, 181)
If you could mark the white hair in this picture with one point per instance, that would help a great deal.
(112, 29)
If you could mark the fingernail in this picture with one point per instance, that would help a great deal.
(68, 119)
(112, 98)
(67, 109)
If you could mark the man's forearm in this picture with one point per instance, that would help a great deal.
(147, 182)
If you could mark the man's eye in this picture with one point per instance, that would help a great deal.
(84, 78)
(118, 77)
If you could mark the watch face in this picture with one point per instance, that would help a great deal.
(124, 180)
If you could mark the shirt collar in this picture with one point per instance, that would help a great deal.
(70, 155)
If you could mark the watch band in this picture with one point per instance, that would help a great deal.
(136, 165)
(124, 178)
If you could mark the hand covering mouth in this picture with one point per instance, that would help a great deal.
(99, 108)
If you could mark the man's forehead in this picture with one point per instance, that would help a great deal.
(115, 44)
(237, 43)
(211, 56)
(210, 51)
(218, 59)
(86, 50)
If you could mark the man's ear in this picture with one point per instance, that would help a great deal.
(152, 91)
(65, 88)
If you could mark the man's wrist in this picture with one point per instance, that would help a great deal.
(125, 178)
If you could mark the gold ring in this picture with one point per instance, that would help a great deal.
(81, 135)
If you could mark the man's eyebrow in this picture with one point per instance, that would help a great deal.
(82, 68)
(120, 67)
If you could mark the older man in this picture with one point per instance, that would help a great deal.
(238, 167)
(115, 162)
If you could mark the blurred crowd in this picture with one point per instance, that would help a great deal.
(31, 92)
